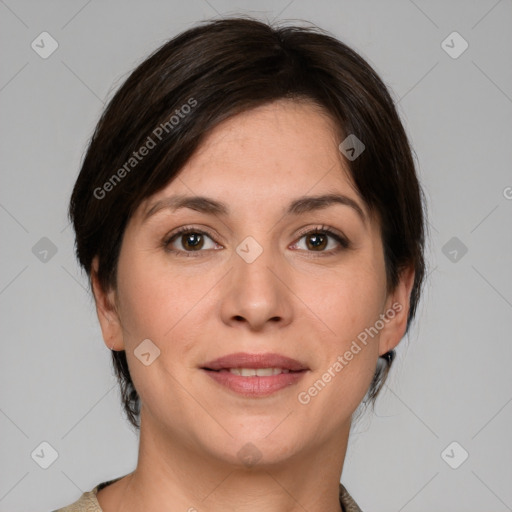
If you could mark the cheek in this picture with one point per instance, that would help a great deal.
(144, 295)
(160, 303)
(161, 306)
(347, 303)
(348, 354)
(346, 300)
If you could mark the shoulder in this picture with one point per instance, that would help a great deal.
(347, 502)
(88, 501)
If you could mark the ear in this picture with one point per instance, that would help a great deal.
(106, 310)
(397, 310)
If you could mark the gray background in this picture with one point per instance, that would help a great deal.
(452, 379)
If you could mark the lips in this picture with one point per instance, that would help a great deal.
(249, 375)
(245, 360)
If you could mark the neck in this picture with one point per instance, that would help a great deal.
(173, 474)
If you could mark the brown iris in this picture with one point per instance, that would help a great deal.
(316, 241)
(193, 241)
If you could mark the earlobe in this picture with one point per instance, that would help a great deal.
(106, 310)
(397, 311)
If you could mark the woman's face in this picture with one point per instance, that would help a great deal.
(255, 274)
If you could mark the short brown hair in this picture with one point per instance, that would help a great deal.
(221, 68)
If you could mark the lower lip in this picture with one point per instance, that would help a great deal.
(255, 386)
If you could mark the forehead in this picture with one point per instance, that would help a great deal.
(265, 156)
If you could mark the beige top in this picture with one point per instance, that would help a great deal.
(89, 503)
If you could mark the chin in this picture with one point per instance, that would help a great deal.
(264, 446)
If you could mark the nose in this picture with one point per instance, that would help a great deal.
(257, 293)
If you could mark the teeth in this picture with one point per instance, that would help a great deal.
(259, 372)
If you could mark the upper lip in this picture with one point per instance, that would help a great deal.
(245, 360)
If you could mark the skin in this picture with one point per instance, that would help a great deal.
(296, 299)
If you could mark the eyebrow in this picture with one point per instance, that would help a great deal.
(304, 204)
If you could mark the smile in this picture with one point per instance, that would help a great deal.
(255, 382)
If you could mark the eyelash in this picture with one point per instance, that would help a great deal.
(319, 230)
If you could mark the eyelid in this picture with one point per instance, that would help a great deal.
(320, 228)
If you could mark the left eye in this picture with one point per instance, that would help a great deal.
(321, 240)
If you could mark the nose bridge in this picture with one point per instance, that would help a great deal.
(254, 261)
(256, 295)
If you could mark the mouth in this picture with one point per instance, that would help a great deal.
(255, 375)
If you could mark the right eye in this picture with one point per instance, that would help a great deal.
(189, 240)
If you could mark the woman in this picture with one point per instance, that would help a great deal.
(249, 216)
